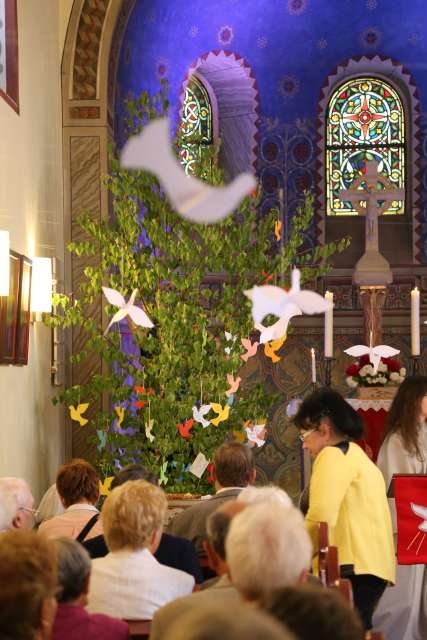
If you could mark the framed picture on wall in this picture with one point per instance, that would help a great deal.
(9, 85)
(9, 313)
(24, 300)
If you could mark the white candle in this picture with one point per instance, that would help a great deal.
(329, 326)
(313, 366)
(415, 322)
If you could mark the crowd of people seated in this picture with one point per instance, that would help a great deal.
(69, 570)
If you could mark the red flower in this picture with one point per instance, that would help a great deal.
(392, 365)
(363, 360)
(352, 370)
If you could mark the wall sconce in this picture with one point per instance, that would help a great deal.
(4, 263)
(41, 285)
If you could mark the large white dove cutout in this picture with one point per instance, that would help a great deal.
(269, 299)
(192, 198)
(126, 308)
(421, 512)
(375, 353)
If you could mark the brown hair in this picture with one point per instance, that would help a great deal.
(234, 464)
(77, 479)
(134, 472)
(403, 417)
(313, 612)
(27, 578)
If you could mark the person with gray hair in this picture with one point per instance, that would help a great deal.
(267, 548)
(72, 620)
(16, 504)
(269, 493)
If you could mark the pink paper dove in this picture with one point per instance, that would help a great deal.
(234, 384)
(251, 349)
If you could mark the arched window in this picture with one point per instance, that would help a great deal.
(196, 125)
(365, 120)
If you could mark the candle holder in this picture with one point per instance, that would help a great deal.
(328, 370)
(415, 365)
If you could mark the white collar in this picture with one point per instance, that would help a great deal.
(229, 489)
(82, 506)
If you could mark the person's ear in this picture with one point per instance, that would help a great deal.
(47, 616)
(18, 520)
(252, 476)
(85, 589)
(211, 555)
(324, 428)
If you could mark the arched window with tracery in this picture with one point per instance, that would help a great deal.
(196, 129)
(365, 120)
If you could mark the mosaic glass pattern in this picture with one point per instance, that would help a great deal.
(365, 122)
(196, 124)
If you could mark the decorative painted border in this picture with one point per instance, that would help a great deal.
(400, 77)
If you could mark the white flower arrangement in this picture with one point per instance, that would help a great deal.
(361, 373)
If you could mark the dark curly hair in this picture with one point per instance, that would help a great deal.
(404, 414)
(326, 403)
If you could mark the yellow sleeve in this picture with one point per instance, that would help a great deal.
(331, 476)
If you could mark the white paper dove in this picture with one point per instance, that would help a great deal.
(193, 199)
(229, 338)
(199, 414)
(148, 429)
(256, 434)
(269, 299)
(138, 316)
(421, 512)
(375, 353)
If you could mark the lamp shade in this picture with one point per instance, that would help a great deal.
(4, 263)
(41, 285)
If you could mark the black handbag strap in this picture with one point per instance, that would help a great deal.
(88, 526)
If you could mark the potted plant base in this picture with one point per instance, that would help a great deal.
(377, 393)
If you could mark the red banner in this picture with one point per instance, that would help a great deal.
(410, 492)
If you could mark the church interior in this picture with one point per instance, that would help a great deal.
(213, 231)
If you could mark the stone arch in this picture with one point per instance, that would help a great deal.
(398, 76)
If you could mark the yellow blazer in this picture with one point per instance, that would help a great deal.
(348, 492)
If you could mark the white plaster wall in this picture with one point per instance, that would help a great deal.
(31, 209)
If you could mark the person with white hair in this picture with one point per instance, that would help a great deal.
(269, 493)
(267, 548)
(16, 504)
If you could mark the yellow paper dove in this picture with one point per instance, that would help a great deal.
(120, 414)
(76, 413)
(105, 487)
(270, 348)
(223, 413)
(277, 230)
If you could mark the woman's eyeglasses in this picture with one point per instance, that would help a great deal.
(305, 433)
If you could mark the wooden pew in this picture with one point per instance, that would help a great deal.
(139, 629)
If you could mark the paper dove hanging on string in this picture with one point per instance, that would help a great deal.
(251, 349)
(184, 429)
(128, 308)
(163, 477)
(105, 486)
(256, 434)
(199, 414)
(120, 414)
(269, 299)
(278, 229)
(222, 413)
(193, 199)
(229, 338)
(148, 429)
(76, 413)
(234, 384)
(271, 347)
(375, 353)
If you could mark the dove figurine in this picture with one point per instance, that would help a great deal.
(256, 434)
(199, 414)
(184, 429)
(105, 486)
(234, 384)
(164, 479)
(128, 308)
(193, 199)
(120, 411)
(277, 230)
(270, 349)
(148, 429)
(251, 349)
(222, 413)
(76, 413)
(375, 353)
(421, 512)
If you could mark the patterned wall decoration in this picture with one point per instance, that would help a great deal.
(292, 46)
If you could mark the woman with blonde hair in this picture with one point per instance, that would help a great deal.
(402, 612)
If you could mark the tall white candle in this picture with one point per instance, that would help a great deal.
(329, 326)
(415, 322)
(313, 366)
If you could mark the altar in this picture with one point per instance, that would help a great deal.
(373, 414)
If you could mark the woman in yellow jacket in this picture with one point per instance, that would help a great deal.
(348, 492)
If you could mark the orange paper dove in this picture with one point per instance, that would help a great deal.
(234, 384)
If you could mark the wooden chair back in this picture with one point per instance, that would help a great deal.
(139, 629)
(345, 589)
(329, 569)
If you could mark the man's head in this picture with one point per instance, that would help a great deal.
(234, 465)
(28, 583)
(267, 548)
(217, 526)
(270, 493)
(133, 516)
(74, 567)
(77, 481)
(134, 472)
(16, 503)
(313, 612)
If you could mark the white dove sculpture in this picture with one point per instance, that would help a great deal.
(375, 353)
(421, 512)
(256, 434)
(199, 414)
(128, 308)
(273, 300)
(193, 199)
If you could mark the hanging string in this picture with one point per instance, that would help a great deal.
(122, 267)
(282, 236)
(201, 391)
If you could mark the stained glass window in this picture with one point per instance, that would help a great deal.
(365, 121)
(196, 125)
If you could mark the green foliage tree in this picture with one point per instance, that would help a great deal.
(191, 280)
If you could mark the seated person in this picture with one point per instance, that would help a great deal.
(129, 582)
(234, 469)
(72, 620)
(28, 584)
(16, 504)
(221, 591)
(50, 505)
(78, 488)
(310, 612)
(173, 551)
